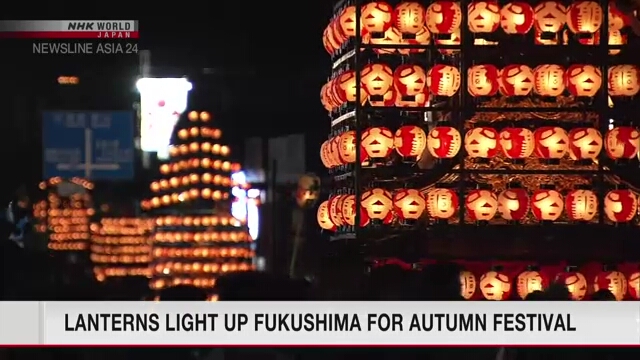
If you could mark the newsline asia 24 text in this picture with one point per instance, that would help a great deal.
(88, 47)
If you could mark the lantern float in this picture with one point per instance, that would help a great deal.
(482, 142)
(548, 80)
(468, 284)
(613, 281)
(376, 18)
(584, 143)
(575, 282)
(410, 82)
(549, 17)
(443, 80)
(529, 281)
(443, 17)
(621, 205)
(584, 17)
(408, 18)
(634, 285)
(617, 19)
(377, 83)
(495, 285)
(513, 204)
(582, 205)
(323, 217)
(551, 142)
(410, 141)
(378, 204)
(516, 80)
(409, 204)
(442, 204)
(377, 142)
(583, 80)
(547, 205)
(483, 16)
(444, 142)
(481, 205)
(517, 143)
(482, 80)
(623, 80)
(516, 17)
(622, 142)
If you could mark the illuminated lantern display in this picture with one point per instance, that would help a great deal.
(349, 209)
(481, 205)
(334, 146)
(377, 142)
(622, 142)
(442, 203)
(583, 80)
(613, 281)
(584, 143)
(408, 17)
(444, 142)
(516, 80)
(376, 18)
(390, 37)
(345, 88)
(516, 17)
(335, 209)
(517, 143)
(422, 37)
(410, 82)
(482, 142)
(325, 156)
(409, 204)
(468, 284)
(623, 80)
(616, 38)
(617, 19)
(575, 282)
(347, 149)
(443, 80)
(347, 21)
(551, 142)
(378, 205)
(483, 16)
(549, 17)
(529, 281)
(634, 285)
(443, 17)
(377, 83)
(482, 80)
(584, 17)
(620, 206)
(324, 220)
(334, 36)
(548, 80)
(454, 39)
(308, 190)
(495, 285)
(547, 205)
(513, 204)
(410, 141)
(582, 205)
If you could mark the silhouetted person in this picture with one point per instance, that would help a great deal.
(557, 292)
(390, 283)
(535, 296)
(440, 282)
(183, 293)
(603, 295)
(255, 286)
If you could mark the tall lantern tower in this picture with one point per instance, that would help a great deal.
(196, 238)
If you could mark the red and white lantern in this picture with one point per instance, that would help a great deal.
(325, 156)
(443, 17)
(324, 220)
(529, 281)
(517, 143)
(582, 205)
(482, 142)
(623, 80)
(616, 38)
(549, 80)
(584, 144)
(390, 37)
(347, 148)
(516, 17)
(513, 204)
(334, 144)
(547, 205)
(622, 142)
(442, 203)
(482, 80)
(410, 141)
(349, 211)
(620, 206)
(376, 17)
(481, 205)
(617, 19)
(378, 205)
(483, 16)
(584, 17)
(583, 80)
(444, 142)
(454, 39)
(335, 209)
(549, 16)
(377, 142)
(613, 281)
(634, 285)
(443, 80)
(408, 17)
(495, 286)
(377, 83)
(409, 204)
(468, 284)
(575, 282)
(409, 81)
(516, 80)
(422, 37)
(347, 21)
(551, 142)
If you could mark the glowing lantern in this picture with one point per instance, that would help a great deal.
(334, 145)
(454, 39)
(377, 142)
(549, 80)
(468, 284)
(582, 205)
(516, 17)
(481, 205)
(583, 80)
(513, 204)
(620, 206)
(584, 17)
(408, 17)
(335, 209)
(517, 143)
(390, 37)
(613, 281)
(634, 285)
(323, 217)
(443, 17)
(483, 16)
(377, 81)
(481, 142)
(547, 205)
(442, 203)
(617, 19)
(495, 285)
(326, 43)
(409, 204)
(410, 84)
(444, 142)
(551, 142)
(584, 143)
(345, 88)
(334, 30)
(422, 37)
(616, 38)
(325, 155)
(623, 80)
(308, 190)
(622, 142)
(324, 98)
(516, 80)
(443, 80)
(347, 21)
(410, 141)
(378, 205)
(529, 281)
(575, 282)
(549, 17)
(347, 148)
(376, 17)
(482, 80)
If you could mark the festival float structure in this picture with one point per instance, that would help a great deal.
(196, 239)
(485, 131)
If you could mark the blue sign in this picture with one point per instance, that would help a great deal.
(91, 144)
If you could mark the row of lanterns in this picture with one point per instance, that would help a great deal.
(383, 207)
(411, 23)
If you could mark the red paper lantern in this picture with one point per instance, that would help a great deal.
(349, 211)
(347, 21)
(517, 143)
(551, 142)
(378, 205)
(482, 80)
(422, 37)
(547, 205)
(335, 209)
(328, 47)
(549, 16)
(482, 142)
(443, 80)
(454, 39)
(622, 142)
(376, 17)
(325, 156)
(516, 80)
(616, 38)
(516, 17)
(495, 285)
(444, 142)
(529, 281)
(584, 143)
(347, 148)
(613, 281)
(408, 17)
(443, 17)
(324, 220)
(483, 16)
(549, 80)
(623, 80)
(410, 141)
(390, 37)
(410, 82)
(584, 17)
(409, 204)
(513, 204)
(582, 205)
(481, 205)
(442, 203)
(468, 284)
(617, 19)
(634, 285)
(575, 282)
(377, 142)
(583, 80)
(377, 83)
(620, 206)
(334, 146)
(345, 88)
